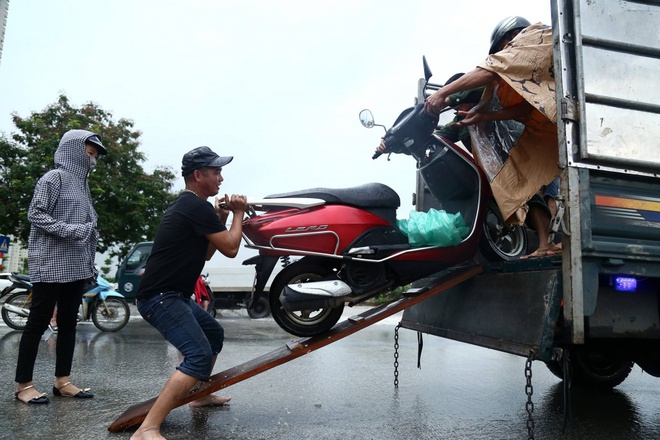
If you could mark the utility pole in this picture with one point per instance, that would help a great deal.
(4, 10)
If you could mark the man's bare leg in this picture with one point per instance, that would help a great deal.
(211, 399)
(538, 220)
(174, 390)
(552, 205)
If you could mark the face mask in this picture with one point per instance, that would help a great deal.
(92, 163)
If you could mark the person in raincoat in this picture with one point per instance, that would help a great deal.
(519, 74)
(61, 252)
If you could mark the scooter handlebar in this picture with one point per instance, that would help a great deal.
(376, 155)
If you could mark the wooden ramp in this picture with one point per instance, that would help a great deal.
(135, 414)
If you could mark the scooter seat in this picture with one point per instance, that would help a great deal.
(20, 276)
(370, 195)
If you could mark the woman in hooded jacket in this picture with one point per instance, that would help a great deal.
(61, 251)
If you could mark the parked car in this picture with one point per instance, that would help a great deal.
(232, 286)
(4, 280)
(130, 270)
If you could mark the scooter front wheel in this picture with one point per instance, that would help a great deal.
(10, 310)
(500, 240)
(110, 315)
(302, 322)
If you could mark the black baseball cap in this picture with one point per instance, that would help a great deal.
(201, 157)
(95, 139)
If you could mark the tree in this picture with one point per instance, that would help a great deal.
(128, 200)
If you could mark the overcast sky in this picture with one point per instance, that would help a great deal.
(277, 84)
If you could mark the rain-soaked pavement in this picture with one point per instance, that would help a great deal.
(342, 391)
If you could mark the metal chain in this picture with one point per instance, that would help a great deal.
(396, 356)
(529, 390)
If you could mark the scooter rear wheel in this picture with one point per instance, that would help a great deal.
(110, 315)
(21, 300)
(302, 322)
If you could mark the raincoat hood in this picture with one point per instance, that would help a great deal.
(70, 155)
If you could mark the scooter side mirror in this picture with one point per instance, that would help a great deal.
(367, 119)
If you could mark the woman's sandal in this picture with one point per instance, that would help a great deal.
(82, 394)
(36, 400)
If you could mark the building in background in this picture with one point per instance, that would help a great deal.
(16, 259)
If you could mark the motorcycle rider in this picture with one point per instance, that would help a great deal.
(164, 300)
(520, 66)
(61, 251)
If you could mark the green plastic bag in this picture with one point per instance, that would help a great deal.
(434, 228)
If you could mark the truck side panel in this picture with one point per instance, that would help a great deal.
(607, 58)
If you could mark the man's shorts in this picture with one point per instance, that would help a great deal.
(192, 330)
(538, 201)
(552, 188)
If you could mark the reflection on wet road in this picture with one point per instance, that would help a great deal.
(343, 391)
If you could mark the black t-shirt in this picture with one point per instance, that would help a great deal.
(180, 247)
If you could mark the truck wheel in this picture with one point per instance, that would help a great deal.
(555, 368)
(260, 309)
(302, 322)
(593, 368)
(499, 240)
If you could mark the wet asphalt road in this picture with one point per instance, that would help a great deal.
(342, 391)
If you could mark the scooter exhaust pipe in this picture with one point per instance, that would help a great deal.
(314, 295)
(18, 310)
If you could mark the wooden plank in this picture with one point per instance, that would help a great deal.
(135, 414)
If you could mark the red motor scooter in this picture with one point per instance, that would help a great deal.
(350, 246)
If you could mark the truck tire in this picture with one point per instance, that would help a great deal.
(261, 309)
(593, 368)
(501, 241)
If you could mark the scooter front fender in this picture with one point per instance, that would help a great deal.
(107, 293)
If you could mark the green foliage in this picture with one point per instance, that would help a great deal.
(129, 201)
(105, 270)
(23, 268)
(390, 296)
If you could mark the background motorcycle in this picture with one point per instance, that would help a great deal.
(350, 245)
(105, 307)
(8, 287)
(209, 292)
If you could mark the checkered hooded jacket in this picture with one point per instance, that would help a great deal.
(63, 234)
